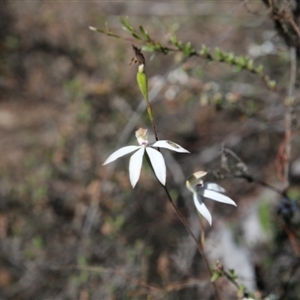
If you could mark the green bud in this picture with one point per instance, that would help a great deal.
(272, 84)
(142, 81)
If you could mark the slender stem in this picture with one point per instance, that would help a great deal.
(289, 116)
(149, 110)
(249, 178)
(199, 245)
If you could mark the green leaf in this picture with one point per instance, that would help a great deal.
(272, 84)
(242, 288)
(204, 51)
(188, 50)
(232, 274)
(173, 40)
(149, 48)
(144, 33)
(238, 68)
(259, 69)
(219, 54)
(250, 64)
(136, 36)
(241, 61)
(127, 26)
(164, 50)
(215, 276)
(229, 57)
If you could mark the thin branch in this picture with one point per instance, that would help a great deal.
(293, 73)
(284, 152)
(250, 178)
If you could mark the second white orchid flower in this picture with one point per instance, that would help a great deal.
(155, 157)
(209, 190)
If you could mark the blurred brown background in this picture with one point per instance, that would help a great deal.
(72, 229)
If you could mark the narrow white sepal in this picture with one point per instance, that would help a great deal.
(135, 166)
(158, 164)
(217, 197)
(119, 153)
(213, 187)
(201, 207)
(170, 145)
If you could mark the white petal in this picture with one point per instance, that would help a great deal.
(213, 187)
(121, 152)
(217, 197)
(170, 145)
(158, 164)
(198, 175)
(135, 165)
(202, 208)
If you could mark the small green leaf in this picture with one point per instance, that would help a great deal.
(232, 274)
(144, 33)
(272, 84)
(188, 46)
(179, 45)
(204, 51)
(229, 57)
(127, 26)
(241, 61)
(173, 40)
(215, 276)
(164, 50)
(188, 50)
(242, 288)
(259, 69)
(135, 36)
(219, 54)
(250, 64)
(149, 48)
(238, 68)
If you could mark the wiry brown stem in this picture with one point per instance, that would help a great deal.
(199, 245)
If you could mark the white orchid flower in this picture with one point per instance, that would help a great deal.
(156, 159)
(209, 190)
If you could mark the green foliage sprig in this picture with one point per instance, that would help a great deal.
(219, 271)
(216, 55)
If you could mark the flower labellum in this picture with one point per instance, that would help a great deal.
(209, 190)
